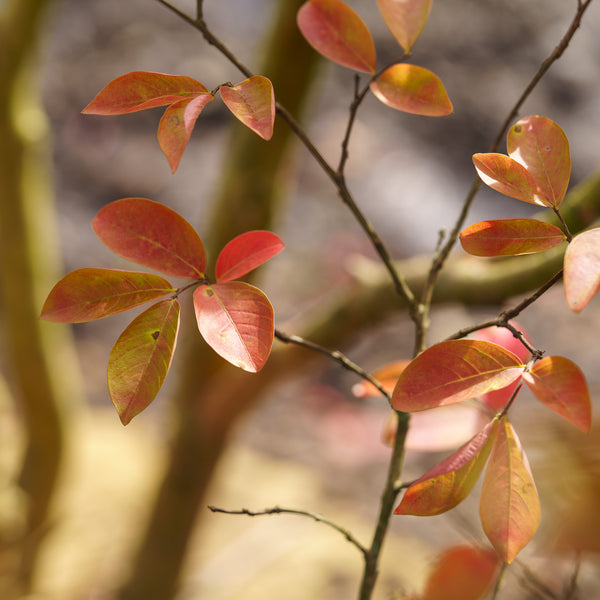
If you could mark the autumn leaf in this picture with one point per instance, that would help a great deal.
(336, 32)
(140, 359)
(236, 320)
(582, 269)
(412, 89)
(405, 19)
(510, 237)
(151, 234)
(89, 294)
(509, 505)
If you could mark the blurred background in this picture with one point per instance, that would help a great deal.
(92, 510)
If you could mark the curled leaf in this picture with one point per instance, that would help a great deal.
(405, 19)
(582, 269)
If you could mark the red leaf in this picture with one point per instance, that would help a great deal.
(509, 177)
(246, 252)
(412, 89)
(153, 235)
(461, 573)
(450, 481)
(582, 269)
(454, 371)
(509, 237)
(89, 294)
(252, 102)
(509, 506)
(236, 320)
(405, 19)
(334, 30)
(140, 90)
(140, 359)
(561, 386)
(177, 124)
(542, 147)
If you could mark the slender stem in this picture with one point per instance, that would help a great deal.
(564, 225)
(498, 583)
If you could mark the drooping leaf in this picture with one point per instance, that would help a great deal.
(405, 19)
(412, 89)
(246, 252)
(335, 31)
(509, 177)
(89, 294)
(510, 237)
(151, 234)
(252, 102)
(140, 90)
(454, 371)
(582, 269)
(140, 359)
(509, 505)
(461, 573)
(176, 126)
(236, 320)
(450, 481)
(542, 147)
(561, 386)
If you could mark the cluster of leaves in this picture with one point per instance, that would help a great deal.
(234, 317)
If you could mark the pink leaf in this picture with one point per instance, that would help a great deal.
(412, 89)
(236, 320)
(252, 102)
(140, 359)
(334, 30)
(246, 252)
(140, 90)
(153, 235)
(89, 294)
(582, 269)
(405, 19)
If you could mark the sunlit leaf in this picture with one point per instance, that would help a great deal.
(387, 376)
(405, 19)
(461, 573)
(509, 177)
(450, 481)
(542, 147)
(252, 102)
(509, 237)
(140, 90)
(236, 320)
(412, 89)
(89, 294)
(454, 371)
(140, 359)
(334, 30)
(509, 505)
(582, 269)
(561, 386)
(177, 124)
(246, 252)
(153, 235)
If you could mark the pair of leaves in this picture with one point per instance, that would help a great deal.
(252, 102)
(235, 318)
(337, 32)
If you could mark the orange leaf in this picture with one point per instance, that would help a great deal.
(509, 506)
(153, 235)
(405, 19)
(561, 386)
(252, 102)
(412, 89)
(387, 376)
(89, 294)
(140, 90)
(236, 320)
(141, 357)
(509, 177)
(582, 269)
(510, 237)
(450, 481)
(335, 31)
(454, 371)
(542, 147)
